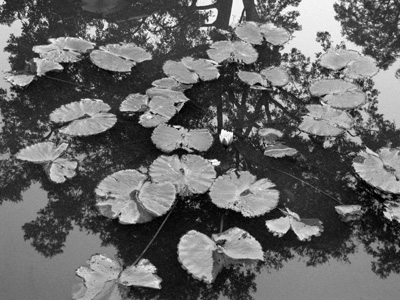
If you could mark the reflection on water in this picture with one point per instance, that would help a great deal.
(61, 224)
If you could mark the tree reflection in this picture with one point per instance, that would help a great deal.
(310, 184)
(373, 25)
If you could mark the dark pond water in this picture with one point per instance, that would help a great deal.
(48, 230)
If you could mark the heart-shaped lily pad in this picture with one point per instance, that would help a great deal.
(85, 117)
(325, 121)
(204, 258)
(274, 76)
(236, 51)
(380, 169)
(331, 86)
(337, 59)
(168, 138)
(255, 33)
(191, 174)
(242, 192)
(128, 196)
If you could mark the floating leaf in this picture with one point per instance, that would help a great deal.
(102, 277)
(64, 49)
(235, 51)
(255, 33)
(191, 174)
(177, 97)
(19, 79)
(168, 138)
(252, 78)
(171, 84)
(119, 57)
(204, 258)
(380, 169)
(345, 100)
(325, 121)
(269, 135)
(364, 66)
(331, 86)
(44, 65)
(46, 153)
(135, 103)
(392, 210)
(126, 195)
(270, 76)
(349, 213)
(242, 192)
(303, 228)
(337, 59)
(279, 150)
(86, 117)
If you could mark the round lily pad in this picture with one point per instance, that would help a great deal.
(380, 169)
(242, 192)
(277, 76)
(249, 32)
(255, 33)
(180, 72)
(168, 138)
(325, 121)
(364, 66)
(274, 35)
(135, 103)
(191, 174)
(252, 78)
(85, 117)
(236, 51)
(337, 59)
(19, 79)
(331, 86)
(346, 100)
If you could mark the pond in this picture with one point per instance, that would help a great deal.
(221, 181)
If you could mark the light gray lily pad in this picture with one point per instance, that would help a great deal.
(255, 33)
(127, 195)
(204, 258)
(206, 69)
(235, 51)
(350, 212)
(86, 117)
(346, 100)
(269, 135)
(252, 78)
(171, 84)
(44, 65)
(331, 86)
(364, 66)
(325, 121)
(392, 210)
(168, 139)
(20, 79)
(135, 103)
(337, 59)
(303, 228)
(119, 57)
(380, 169)
(276, 76)
(101, 278)
(242, 192)
(46, 153)
(279, 150)
(180, 72)
(191, 174)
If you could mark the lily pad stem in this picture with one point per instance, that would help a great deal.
(155, 235)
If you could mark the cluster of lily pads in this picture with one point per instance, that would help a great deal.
(133, 196)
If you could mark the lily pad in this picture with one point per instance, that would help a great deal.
(269, 135)
(204, 258)
(242, 192)
(48, 154)
(168, 139)
(392, 210)
(127, 195)
(255, 33)
(380, 169)
(279, 150)
(64, 49)
(171, 84)
(104, 275)
(274, 76)
(191, 174)
(331, 86)
(236, 51)
(303, 228)
(325, 121)
(337, 59)
(252, 78)
(19, 79)
(86, 117)
(350, 212)
(364, 66)
(44, 65)
(119, 57)
(346, 100)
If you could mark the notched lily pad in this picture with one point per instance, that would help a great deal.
(127, 195)
(242, 192)
(102, 278)
(48, 154)
(233, 51)
(171, 84)
(85, 117)
(346, 100)
(303, 228)
(325, 121)
(381, 169)
(204, 258)
(337, 59)
(255, 33)
(119, 57)
(168, 139)
(191, 174)
(364, 66)
(274, 76)
(331, 86)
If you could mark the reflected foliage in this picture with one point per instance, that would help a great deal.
(310, 183)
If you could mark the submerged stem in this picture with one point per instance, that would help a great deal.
(155, 235)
